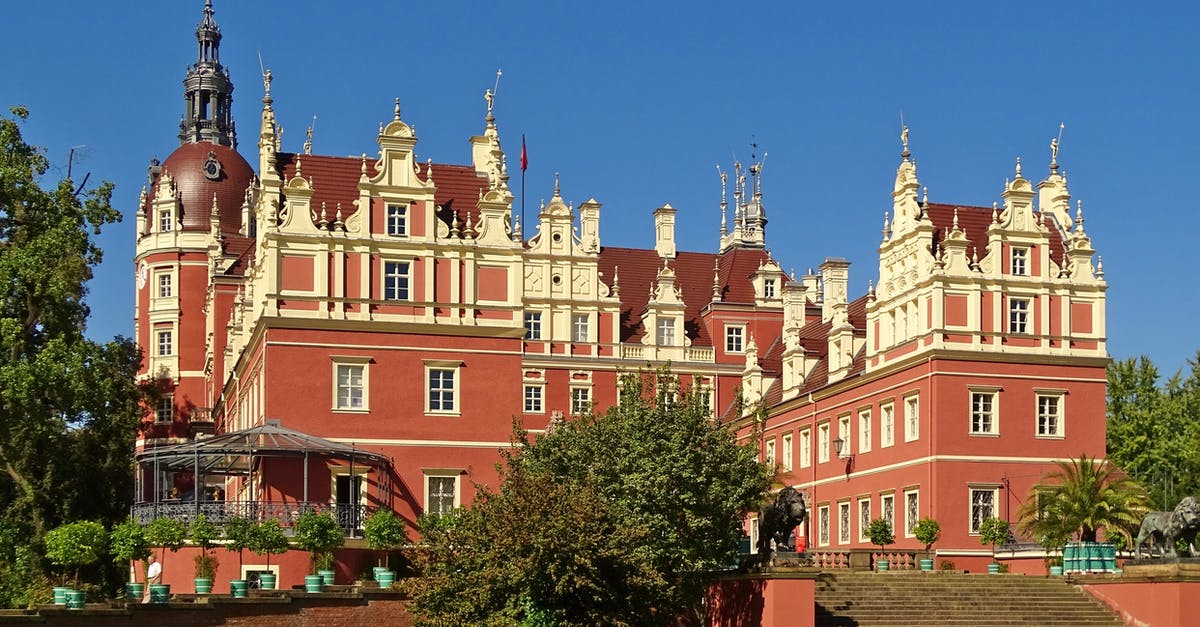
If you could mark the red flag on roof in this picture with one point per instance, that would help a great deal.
(524, 155)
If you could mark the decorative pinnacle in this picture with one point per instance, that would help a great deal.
(1054, 149)
(556, 192)
(267, 87)
(905, 154)
(1018, 167)
(925, 196)
(397, 111)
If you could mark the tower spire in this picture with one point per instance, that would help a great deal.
(208, 90)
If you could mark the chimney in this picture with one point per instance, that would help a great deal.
(664, 231)
(835, 275)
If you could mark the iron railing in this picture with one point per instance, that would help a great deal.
(349, 516)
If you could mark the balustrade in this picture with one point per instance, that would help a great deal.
(349, 516)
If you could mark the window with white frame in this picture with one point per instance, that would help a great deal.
(823, 525)
(579, 328)
(912, 417)
(441, 493)
(864, 431)
(734, 339)
(1050, 415)
(887, 507)
(166, 221)
(911, 512)
(864, 518)
(1019, 258)
(805, 448)
(395, 280)
(165, 412)
(166, 281)
(166, 343)
(983, 412)
(823, 442)
(350, 385)
(666, 331)
(533, 398)
(844, 522)
(844, 434)
(1018, 315)
(786, 445)
(769, 288)
(769, 452)
(397, 220)
(983, 506)
(443, 387)
(581, 400)
(754, 535)
(533, 325)
(887, 425)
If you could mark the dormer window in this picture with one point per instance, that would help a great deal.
(769, 288)
(1019, 259)
(165, 220)
(733, 339)
(666, 332)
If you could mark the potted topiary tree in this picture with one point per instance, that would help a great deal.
(204, 534)
(73, 546)
(927, 531)
(239, 535)
(164, 533)
(320, 535)
(879, 532)
(993, 531)
(384, 531)
(127, 543)
(268, 539)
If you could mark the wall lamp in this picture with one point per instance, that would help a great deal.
(848, 457)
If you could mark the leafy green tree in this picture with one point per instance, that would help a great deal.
(204, 534)
(127, 543)
(166, 533)
(1082, 497)
(76, 544)
(880, 533)
(927, 531)
(634, 508)
(239, 535)
(268, 539)
(384, 531)
(993, 531)
(69, 407)
(320, 535)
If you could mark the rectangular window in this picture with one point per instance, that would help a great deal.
(579, 328)
(805, 448)
(165, 412)
(983, 413)
(769, 455)
(533, 399)
(533, 325)
(165, 221)
(1018, 315)
(441, 494)
(350, 386)
(1019, 257)
(983, 506)
(844, 434)
(823, 525)
(912, 418)
(769, 288)
(733, 339)
(441, 389)
(397, 220)
(166, 345)
(165, 285)
(395, 280)
(786, 444)
(911, 512)
(666, 332)
(887, 425)
(1049, 415)
(864, 519)
(864, 431)
(844, 522)
(823, 443)
(887, 505)
(581, 400)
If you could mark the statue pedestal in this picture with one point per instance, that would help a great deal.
(1163, 568)
(769, 595)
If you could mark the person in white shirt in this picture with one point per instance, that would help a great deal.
(153, 576)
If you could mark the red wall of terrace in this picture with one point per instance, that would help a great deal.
(1166, 603)
(774, 602)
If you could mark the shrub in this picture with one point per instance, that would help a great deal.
(946, 565)
(879, 532)
(268, 539)
(993, 531)
(927, 531)
(127, 542)
(320, 535)
(384, 531)
(76, 544)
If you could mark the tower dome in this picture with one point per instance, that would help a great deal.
(200, 172)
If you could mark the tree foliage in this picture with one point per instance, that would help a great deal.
(268, 539)
(1082, 497)
(384, 531)
(239, 536)
(880, 533)
(633, 508)
(320, 535)
(993, 531)
(69, 407)
(204, 534)
(166, 533)
(127, 542)
(77, 544)
(927, 531)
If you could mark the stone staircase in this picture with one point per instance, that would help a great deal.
(949, 598)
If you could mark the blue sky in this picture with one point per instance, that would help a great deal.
(635, 104)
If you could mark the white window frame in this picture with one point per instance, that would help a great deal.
(393, 279)
(164, 277)
(164, 340)
(454, 476)
(166, 406)
(769, 451)
(1019, 256)
(1059, 429)
(823, 442)
(823, 525)
(844, 433)
(912, 417)
(581, 399)
(769, 289)
(396, 220)
(805, 447)
(984, 403)
(534, 395)
(785, 443)
(452, 394)
(1018, 316)
(887, 508)
(735, 338)
(911, 518)
(864, 431)
(166, 220)
(351, 363)
(844, 516)
(665, 333)
(754, 535)
(887, 424)
(974, 519)
(864, 507)
(533, 325)
(581, 328)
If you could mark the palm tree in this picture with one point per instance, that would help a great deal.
(1082, 497)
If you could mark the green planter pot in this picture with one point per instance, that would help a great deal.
(882, 565)
(375, 570)
(238, 588)
(160, 592)
(993, 569)
(313, 583)
(134, 590)
(267, 581)
(1056, 571)
(327, 576)
(60, 595)
(385, 578)
(203, 585)
(926, 564)
(76, 600)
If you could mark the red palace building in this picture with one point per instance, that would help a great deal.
(347, 334)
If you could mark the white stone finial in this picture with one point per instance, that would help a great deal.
(1099, 267)
(1018, 167)
(396, 111)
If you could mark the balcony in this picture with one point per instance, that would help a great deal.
(349, 516)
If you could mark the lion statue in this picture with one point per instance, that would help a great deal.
(1163, 529)
(778, 520)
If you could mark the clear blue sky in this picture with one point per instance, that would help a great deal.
(636, 102)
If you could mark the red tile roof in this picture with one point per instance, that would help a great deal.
(242, 250)
(975, 222)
